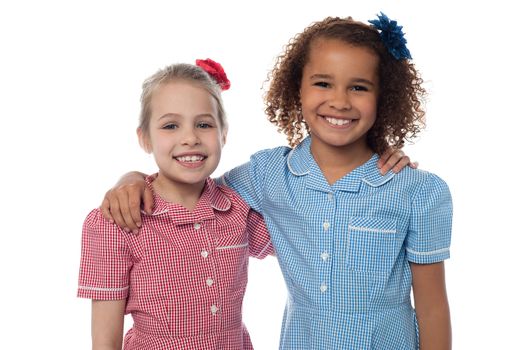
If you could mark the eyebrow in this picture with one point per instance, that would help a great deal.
(328, 76)
(362, 80)
(201, 115)
(321, 76)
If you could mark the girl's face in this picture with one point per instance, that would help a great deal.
(185, 134)
(339, 94)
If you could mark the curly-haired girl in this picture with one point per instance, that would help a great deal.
(352, 243)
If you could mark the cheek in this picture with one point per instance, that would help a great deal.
(161, 145)
(371, 107)
(213, 142)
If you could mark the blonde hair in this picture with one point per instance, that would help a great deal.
(176, 72)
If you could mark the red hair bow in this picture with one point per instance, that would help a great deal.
(216, 71)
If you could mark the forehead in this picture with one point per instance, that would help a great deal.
(334, 56)
(182, 95)
(184, 98)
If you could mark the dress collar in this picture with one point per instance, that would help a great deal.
(300, 162)
(212, 197)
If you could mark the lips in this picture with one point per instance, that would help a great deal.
(190, 158)
(338, 121)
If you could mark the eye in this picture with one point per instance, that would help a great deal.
(322, 84)
(170, 126)
(204, 125)
(359, 88)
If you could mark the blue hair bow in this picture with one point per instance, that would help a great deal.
(392, 36)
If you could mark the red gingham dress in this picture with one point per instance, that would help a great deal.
(184, 275)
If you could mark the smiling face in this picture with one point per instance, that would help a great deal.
(184, 134)
(339, 95)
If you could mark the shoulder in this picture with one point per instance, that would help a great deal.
(422, 184)
(272, 154)
(261, 164)
(419, 177)
(426, 178)
(232, 196)
(95, 222)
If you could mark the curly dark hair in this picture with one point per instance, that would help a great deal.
(400, 115)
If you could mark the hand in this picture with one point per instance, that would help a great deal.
(122, 203)
(394, 160)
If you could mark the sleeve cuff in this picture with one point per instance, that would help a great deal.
(102, 293)
(427, 257)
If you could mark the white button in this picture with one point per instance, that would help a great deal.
(197, 226)
(329, 196)
(323, 288)
(326, 225)
(214, 309)
(204, 254)
(209, 282)
(324, 256)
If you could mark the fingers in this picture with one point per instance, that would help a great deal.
(148, 200)
(394, 160)
(402, 163)
(384, 157)
(122, 204)
(105, 208)
(128, 202)
(115, 208)
(132, 212)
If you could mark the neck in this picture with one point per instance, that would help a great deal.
(183, 194)
(336, 162)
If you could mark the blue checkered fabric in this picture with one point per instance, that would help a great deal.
(345, 249)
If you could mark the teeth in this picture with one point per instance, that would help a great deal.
(335, 121)
(190, 159)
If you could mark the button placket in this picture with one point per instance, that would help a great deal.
(329, 232)
(214, 309)
(324, 256)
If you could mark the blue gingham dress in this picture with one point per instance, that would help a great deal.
(344, 249)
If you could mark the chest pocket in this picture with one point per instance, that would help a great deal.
(232, 252)
(372, 244)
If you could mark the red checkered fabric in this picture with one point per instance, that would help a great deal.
(184, 275)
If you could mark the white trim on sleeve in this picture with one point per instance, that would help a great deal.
(104, 289)
(438, 251)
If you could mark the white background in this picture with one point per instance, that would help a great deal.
(70, 76)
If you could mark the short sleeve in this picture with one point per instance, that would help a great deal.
(258, 236)
(429, 235)
(105, 260)
(248, 179)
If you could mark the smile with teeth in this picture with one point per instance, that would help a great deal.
(190, 159)
(337, 121)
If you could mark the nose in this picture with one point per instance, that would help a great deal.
(190, 138)
(340, 99)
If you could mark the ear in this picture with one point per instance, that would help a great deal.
(144, 141)
(224, 133)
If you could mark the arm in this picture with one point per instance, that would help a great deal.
(394, 160)
(122, 203)
(431, 305)
(258, 236)
(107, 322)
